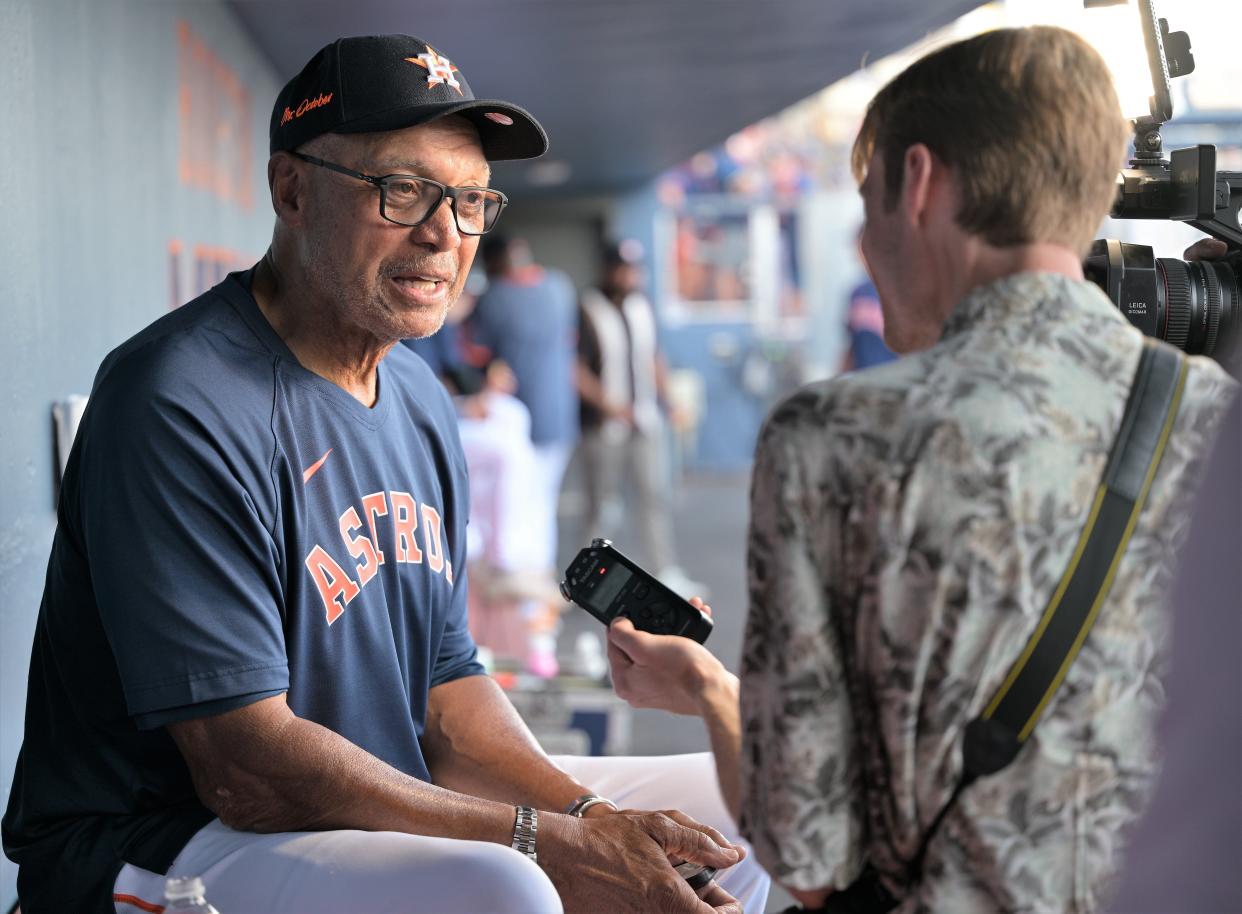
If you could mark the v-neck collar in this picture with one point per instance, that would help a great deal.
(236, 288)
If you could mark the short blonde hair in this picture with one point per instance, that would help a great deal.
(1028, 120)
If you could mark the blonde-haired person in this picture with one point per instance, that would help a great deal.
(910, 523)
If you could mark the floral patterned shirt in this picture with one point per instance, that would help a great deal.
(908, 526)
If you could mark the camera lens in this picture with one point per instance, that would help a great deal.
(1201, 303)
(1196, 307)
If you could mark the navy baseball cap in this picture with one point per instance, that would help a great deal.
(386, 82)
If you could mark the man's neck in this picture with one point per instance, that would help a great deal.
(988, 264)
(312, 330)
(957, 269)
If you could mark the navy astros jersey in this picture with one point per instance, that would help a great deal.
(231, 526)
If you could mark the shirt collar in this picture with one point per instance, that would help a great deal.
(1021, 297)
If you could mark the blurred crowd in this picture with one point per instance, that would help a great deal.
(540, 373)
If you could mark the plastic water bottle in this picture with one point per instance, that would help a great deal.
(184, 895)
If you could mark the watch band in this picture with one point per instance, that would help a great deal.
(579, 806)
(525, 825)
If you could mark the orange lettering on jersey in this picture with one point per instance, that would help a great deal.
(431, 539)
(335, 586)
(373, 506)
(448, 571)
(359, 546)
(404, 524)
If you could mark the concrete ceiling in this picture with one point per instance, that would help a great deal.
(625, 88)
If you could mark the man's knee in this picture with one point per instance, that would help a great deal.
(499, 879)
(413, 874)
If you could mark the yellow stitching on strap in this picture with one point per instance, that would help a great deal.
(1121, 549)
(1051, 610)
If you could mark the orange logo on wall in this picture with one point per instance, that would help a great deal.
(215, 137)
(207, 265)
(307, 104)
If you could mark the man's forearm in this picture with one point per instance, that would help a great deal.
(476, 743)
(718, 705)
(266, 770)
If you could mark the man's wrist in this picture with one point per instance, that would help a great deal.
(600, 810)
(525, 830)
(560, 840)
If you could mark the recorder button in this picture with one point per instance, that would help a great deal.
(641, 591)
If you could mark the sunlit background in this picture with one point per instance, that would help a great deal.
(760, 229)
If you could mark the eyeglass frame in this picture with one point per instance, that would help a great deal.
(446, 190)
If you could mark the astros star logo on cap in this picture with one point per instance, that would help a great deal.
(439, 69)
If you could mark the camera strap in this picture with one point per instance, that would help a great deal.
(994, 738)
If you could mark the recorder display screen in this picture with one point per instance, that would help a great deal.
(614, 579)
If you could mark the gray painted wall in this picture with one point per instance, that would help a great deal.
(99, 232)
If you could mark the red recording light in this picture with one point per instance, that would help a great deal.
(602, 570)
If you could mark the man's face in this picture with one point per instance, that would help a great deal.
(626, 277)
(391, 281)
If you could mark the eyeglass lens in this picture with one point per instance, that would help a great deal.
(410, 200)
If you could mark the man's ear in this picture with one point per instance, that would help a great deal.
(919, 173)
(288, 187)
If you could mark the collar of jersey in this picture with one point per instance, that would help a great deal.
(237, 289)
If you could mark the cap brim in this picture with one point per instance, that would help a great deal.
(521, 139)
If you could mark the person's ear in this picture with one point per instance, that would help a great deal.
(918, 166)
(287, 182)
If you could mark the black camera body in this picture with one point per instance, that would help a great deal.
(1194, 306)
(606, 584)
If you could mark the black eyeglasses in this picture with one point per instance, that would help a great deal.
(411, 200)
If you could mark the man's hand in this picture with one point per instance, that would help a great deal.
(475, 407)
(680, 675)
(619, 862)
(500, 378)
(668, 672)
(679, 417)
(623, 412)
(1206, 249)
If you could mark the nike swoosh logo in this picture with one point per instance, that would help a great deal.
(314, 467)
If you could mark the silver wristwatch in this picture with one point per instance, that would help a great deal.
(524, 828)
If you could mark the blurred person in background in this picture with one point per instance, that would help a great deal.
(514, 603)
(528, 317)
(621, 382)
(910, 524)
(864, 322)
(252, 662)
